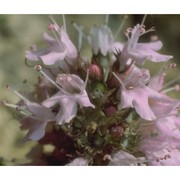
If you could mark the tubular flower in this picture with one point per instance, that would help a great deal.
(134, 93)
(73, 93)
(139, 52)
(164, 132)
(61, 51)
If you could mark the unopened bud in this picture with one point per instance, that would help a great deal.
(110, 111)
(94, 71)
(91, 127)
(116, 131)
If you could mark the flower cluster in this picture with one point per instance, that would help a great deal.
(105, 111)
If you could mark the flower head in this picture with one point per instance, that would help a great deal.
(134, 121)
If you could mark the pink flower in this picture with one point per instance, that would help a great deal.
(135, 94)
(159, 149)
(61, 51)
(148, 103)
(73, 93)
(160, 140)
(139, 52)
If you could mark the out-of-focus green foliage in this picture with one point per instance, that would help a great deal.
(18, 32)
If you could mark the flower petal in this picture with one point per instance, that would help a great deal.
(52, 57)
(71, 49)
(68, 110)
(152, 45)
(53, 100)
(37, 131)
(51, 41)
(40, 111)
(35, 55)
(168, 128)
(139, 99)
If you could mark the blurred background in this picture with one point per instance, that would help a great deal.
(19, 32)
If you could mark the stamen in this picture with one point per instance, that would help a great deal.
(67, 83)
(143, 20)
(87, 78)
(39, 69)
(6, 104)
(120, 81)
(52, 19)
(64, 22)
(52, 27)
(56, 37)
(176, 88)
(55, 29)
(172, 66)
(106, 19)
(149, 30)
(170, 82)
(17, 93)
(127, 32)
(17, 108)
(121, 26)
